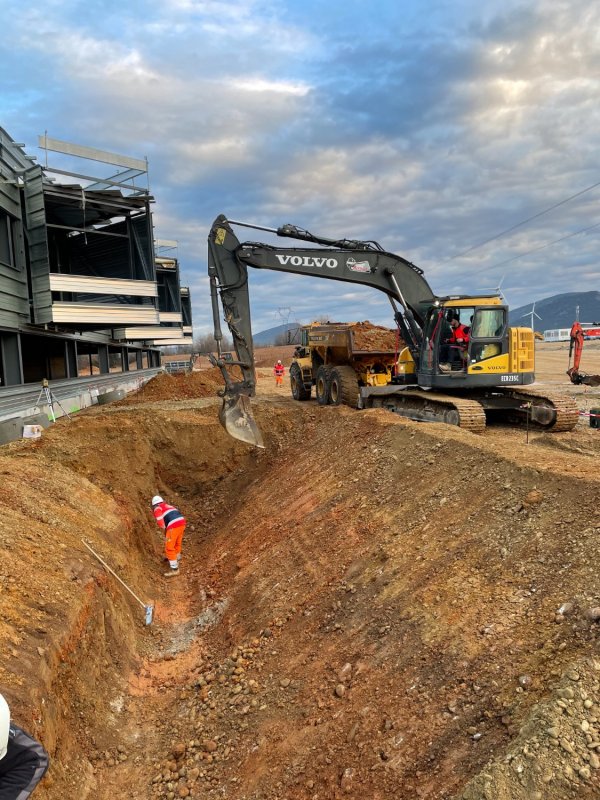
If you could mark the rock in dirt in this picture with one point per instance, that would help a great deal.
(178, 750)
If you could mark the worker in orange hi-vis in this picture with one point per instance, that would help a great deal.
(279, 371)
(172, 521)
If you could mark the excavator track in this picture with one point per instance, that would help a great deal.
(550, 411)
(431, 407)
(566, 413)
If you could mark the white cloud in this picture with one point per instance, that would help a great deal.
(245, 108)
(263, 85)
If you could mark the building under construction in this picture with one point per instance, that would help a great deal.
(83, 294)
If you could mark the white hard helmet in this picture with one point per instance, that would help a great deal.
(4, 725)
(279, 361)
(157, 499)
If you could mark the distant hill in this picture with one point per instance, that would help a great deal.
(559, 310)
(268, 338)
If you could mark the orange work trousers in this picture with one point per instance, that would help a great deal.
(278, 380)
(173, 539)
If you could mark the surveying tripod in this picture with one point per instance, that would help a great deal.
(51, 399)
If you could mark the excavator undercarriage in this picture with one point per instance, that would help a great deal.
(474, 411)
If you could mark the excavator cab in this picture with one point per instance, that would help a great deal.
(465, 342)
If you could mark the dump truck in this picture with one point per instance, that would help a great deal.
(339, 357)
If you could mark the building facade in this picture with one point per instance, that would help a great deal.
(81, 290)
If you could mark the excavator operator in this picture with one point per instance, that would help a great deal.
(452, 352)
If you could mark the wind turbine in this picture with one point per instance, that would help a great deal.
(496, 289)
(531, 314)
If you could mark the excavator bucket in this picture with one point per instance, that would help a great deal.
(582, 378)
(237, 419)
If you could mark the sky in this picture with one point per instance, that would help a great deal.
(430, 126)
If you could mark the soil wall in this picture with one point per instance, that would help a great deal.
(368, 608)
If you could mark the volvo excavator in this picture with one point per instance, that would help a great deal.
(465, 384)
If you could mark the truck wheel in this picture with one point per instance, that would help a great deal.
(299, 391)
(343, 387)
(322, 384)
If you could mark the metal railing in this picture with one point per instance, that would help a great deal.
(19, 400)
(179, 366)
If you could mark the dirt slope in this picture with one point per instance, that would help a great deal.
(369, 608)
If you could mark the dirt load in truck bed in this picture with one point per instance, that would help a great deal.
(375, 338)
(366, 336)
(368, 608)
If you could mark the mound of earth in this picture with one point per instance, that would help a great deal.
(178, 386)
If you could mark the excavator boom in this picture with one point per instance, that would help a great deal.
(340, 259)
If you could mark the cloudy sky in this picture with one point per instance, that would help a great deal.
(431, 126)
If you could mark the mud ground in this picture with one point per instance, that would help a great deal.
(370, 607)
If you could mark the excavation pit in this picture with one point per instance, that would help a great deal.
(367, 608)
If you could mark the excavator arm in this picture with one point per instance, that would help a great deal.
(575, 351)
(352, 261)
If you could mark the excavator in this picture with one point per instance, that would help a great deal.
(575, 351)
(467, 383)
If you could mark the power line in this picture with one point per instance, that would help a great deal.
(541, 247)
(519, 224)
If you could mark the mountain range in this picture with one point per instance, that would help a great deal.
(559, 311)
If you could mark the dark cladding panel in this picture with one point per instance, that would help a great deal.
(186, 307)
(39, 259)
(169, 295)
(14, 307)
(10, 355)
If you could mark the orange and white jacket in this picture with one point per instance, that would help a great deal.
(168, 516)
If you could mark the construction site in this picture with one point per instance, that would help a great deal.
(368, 607)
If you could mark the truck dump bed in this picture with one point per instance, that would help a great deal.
(355, 337)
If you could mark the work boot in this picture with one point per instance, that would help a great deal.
(445, 368)
(171, 573)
